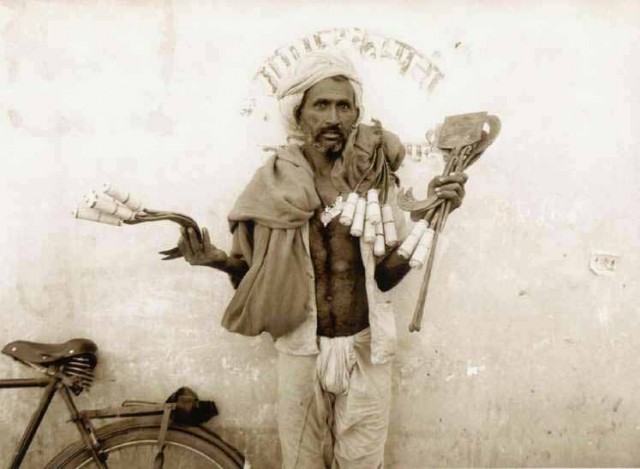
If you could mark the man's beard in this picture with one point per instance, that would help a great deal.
(334, 148)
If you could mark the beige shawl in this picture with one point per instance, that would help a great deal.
(273, 296)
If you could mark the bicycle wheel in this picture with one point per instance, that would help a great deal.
(131, 444)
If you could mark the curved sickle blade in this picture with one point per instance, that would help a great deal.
(407, 202)
(185, 221)
(155, 215)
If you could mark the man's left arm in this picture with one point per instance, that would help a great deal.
(392, 268)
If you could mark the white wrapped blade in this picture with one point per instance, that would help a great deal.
(109, 206)
(373, 207)
(357, 227)
(390, 233)
(378, 247)
(409, 244)
(369, 232)
(126, 198)
(349, 209)
(423, 249)
(87, 213)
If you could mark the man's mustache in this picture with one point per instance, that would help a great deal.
(334, 129)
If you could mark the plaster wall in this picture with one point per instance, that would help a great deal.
(526, 357)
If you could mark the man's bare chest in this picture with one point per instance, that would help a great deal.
(332, 247)
(330, 242)
(327, 192)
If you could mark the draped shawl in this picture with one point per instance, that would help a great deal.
(274, 295)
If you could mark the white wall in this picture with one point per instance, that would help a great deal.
(525, 358)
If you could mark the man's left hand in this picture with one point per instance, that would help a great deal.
(449, 188)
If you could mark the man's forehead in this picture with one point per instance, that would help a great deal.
(334, 88)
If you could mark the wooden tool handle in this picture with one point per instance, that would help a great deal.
(416, 321)
(437, 222)
(458, 160)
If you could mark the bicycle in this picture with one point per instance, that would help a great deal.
(158, 436)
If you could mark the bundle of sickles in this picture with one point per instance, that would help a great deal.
(114, 206)
(462, 140)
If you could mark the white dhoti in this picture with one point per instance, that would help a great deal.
(333, 408)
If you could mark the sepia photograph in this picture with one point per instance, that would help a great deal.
(319, 235)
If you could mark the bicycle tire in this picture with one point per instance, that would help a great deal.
(124, 440)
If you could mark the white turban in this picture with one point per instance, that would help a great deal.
(309, 70)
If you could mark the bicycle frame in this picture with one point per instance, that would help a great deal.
(52, 385)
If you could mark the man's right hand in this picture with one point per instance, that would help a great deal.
(200, 253)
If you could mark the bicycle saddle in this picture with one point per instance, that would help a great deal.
(42, 354)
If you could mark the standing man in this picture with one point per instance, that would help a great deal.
(301, 276)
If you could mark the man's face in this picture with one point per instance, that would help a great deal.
(328, 113)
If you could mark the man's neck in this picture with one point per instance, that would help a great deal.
(320, 159)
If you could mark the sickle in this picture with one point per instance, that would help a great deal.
(185, 221)
(407, 202)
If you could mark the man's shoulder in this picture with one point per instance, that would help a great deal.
(288, 152)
